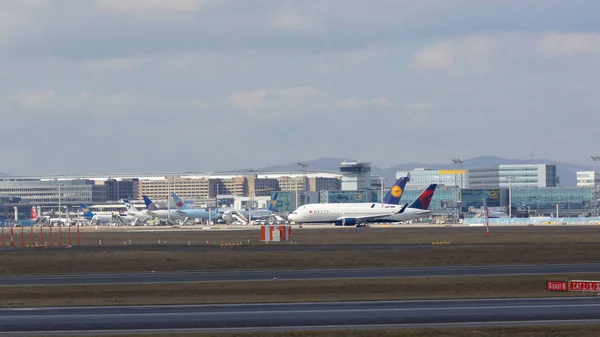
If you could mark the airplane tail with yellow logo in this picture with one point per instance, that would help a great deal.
(395, 193)
(86, 212)
(273, 205)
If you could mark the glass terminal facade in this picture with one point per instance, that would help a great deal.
(571, 201)
(421, 178)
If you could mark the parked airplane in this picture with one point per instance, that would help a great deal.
(243, 214)
(359, 214)
(107, 218)
(162, 214)
(194, 213)
(133, 211)
(25, 222)
(50, 219)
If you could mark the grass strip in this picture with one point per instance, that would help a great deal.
(343, 236)
(285, 291)
(29, 262)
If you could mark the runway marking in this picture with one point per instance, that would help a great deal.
(229, 305)
(304, 311)
(310, 327)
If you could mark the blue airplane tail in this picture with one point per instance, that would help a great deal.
(86, 211)
(394, 195)
(273, 205)
(151, 206)
(179, 202)
(424, 199)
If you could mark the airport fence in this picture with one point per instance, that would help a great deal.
(38, 236)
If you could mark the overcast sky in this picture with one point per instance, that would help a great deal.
(192, 85)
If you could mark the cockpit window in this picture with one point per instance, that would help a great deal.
(294, 212)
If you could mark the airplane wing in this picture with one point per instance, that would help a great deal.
(368, 217)
(376, 216)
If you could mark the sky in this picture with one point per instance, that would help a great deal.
(205, 85)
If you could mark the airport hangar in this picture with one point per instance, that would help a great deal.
(531, 189)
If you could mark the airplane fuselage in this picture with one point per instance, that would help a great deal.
(318, 213)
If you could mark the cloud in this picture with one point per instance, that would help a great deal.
(114, 64)
(142, 7)
(353, 103)
(349, 61)
(563, 44)
(423, 106)
(269, 102)
(439, 55)
(290, 19)
(36, 99)
(298, 103)
(102, 106)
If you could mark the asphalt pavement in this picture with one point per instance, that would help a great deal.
(309, 274)
(330, 315)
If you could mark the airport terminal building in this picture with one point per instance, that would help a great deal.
(528, 190)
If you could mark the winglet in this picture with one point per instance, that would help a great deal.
(402, 209)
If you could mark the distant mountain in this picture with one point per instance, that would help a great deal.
(567, 172)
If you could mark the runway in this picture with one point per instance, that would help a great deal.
(331, 315)
(310, 274)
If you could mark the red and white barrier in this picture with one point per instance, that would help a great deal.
(275, 233)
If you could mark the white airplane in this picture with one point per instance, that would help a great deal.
(229, 215)
(163, 214)
(358, 214)
(133, 211)
(108, 218)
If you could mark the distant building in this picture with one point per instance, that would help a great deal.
(69, 192)
(586, 178)
(262, 186)
(118, 189)
(420, 178)
(317, 184)
(355, 175)
(291, 182)
(517, 176)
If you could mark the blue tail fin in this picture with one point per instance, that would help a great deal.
(149, 204)
(424, 199)
(179, 202)
(86, 211)
(394, 195)
(273, 206)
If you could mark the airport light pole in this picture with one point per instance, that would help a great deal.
(59, 200)
(303, 166)
(596, 188)
(510, 179)
(459, 202)
(168, 201)
(382, 180)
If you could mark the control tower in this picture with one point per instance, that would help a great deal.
(356, 175)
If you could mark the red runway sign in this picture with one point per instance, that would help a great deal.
(577, 285)
(557, 285)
